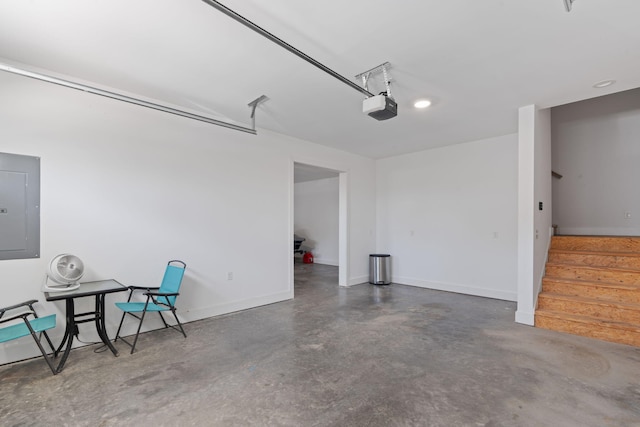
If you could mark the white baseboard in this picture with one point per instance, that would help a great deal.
(358, 280)
(230, 307)
(454, 287)
(324, 261)
(526, 318)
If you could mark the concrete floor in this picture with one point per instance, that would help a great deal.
(360, 356)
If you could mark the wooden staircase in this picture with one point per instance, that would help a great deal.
(592, 288)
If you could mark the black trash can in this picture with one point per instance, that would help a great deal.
(380, 269)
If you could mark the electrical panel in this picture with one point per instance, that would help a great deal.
(19, 206)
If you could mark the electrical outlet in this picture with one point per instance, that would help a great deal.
(230, 275)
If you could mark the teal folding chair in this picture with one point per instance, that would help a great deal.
(158, 300)
(31, 325)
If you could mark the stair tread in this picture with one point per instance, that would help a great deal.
(633, 327)
(583, 282)
(600, 252)
(626, 305)
(619, 285)
(619, 244)
(595, 268)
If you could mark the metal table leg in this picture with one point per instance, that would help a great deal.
(70, 330)
(100, 326)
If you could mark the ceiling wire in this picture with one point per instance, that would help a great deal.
(247, 23)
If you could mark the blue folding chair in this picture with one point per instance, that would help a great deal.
(31, 325)
(158, 300)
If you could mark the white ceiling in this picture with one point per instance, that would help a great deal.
(478, 61)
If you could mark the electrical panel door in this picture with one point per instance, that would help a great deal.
(19, 206)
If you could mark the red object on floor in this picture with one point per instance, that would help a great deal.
(307, 258)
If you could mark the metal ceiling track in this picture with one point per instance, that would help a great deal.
(128, 99)
(253, 105)
(375, 70)
(568, 4)
(244, 21)
(382, 68)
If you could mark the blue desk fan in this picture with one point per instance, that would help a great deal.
(65, 271)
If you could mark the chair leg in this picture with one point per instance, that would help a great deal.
(120, 326)
(166, 325)
(46, 336)
(42, 350)
(173, 310)
(135, 340)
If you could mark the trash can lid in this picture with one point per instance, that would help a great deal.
(380, 255)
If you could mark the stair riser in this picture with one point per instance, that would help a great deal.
(597, 244)
(589, 330)
(595, 310)
(592, 291)
(608, 289)
(611, 261)
(593, 274)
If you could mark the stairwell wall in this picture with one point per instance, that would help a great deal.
(596, 150)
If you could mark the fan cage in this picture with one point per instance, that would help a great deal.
(66, 269)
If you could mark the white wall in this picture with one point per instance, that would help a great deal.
(542, 194)
(448, 217)
(127, 189)
(534, 225)
(596, 148)
(316, 218)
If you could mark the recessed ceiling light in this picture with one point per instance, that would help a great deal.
(604, 83)
(422, 103)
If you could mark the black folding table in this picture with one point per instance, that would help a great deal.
(98, 289)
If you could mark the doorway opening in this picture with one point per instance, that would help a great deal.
(319, 216)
